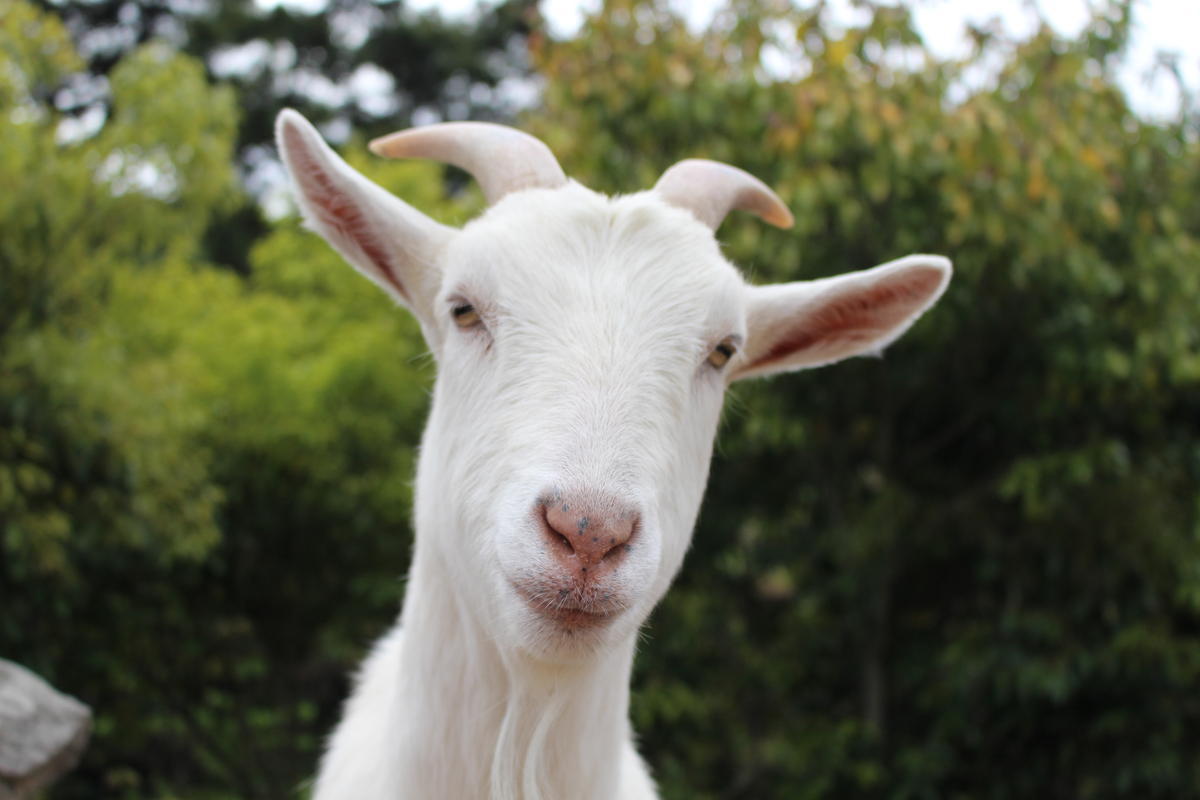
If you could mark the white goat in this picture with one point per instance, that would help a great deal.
(584, 344)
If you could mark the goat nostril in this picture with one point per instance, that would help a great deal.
(588, 531)
(556, 535)
(620, 547)
(613, 550)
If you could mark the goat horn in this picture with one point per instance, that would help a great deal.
(501, 159)
(710, 190)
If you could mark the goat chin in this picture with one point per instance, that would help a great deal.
(584, 345)
(441, 710)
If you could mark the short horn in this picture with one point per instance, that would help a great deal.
(710, 190)
(501, 159)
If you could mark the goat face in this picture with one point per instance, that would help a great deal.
(584, 345)
(576, 406)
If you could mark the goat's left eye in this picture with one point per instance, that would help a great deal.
(465, 315)
(721, 354)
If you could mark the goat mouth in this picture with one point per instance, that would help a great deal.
(561, 607)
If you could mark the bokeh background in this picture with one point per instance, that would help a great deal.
(968, 570)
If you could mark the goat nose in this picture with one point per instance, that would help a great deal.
(588, 534)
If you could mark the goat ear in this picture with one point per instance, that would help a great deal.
(811, 323)
(383, 237)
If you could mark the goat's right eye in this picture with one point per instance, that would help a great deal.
(721, 354)
(465, 316)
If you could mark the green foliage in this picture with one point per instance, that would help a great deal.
(966, 570)
(87, 454)
(970, 569)
(204, 479)
(451, 69)
(445, 66)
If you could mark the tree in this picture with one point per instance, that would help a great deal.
(197, 537)
(968, 569)
(317, 62)
(139, 194)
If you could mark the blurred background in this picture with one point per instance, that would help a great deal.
(968, 570)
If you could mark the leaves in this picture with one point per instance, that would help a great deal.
(954, 540)
(968, 569)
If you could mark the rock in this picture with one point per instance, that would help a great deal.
(42, 732)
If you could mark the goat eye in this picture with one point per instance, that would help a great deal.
(721, 354)
(465, 316)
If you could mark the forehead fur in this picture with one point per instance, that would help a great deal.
(569, 245)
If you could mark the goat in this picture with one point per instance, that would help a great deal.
(584, 344)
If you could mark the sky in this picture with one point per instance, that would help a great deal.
(1159, 25)
(1171, 26)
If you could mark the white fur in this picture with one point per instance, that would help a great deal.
(589, 374)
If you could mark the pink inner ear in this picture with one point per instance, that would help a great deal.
(850, 321)
(338, 211)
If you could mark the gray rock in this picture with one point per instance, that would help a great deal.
(42, 732)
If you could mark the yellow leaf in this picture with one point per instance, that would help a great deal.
(1110, 212)
(1035, 188)
(890, 113)
(1091, 156)
(836, 52)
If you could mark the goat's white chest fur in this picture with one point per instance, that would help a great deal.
(584, 344)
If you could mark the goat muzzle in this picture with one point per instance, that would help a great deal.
(587, 535)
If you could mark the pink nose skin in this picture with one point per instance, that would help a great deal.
(587, 535)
